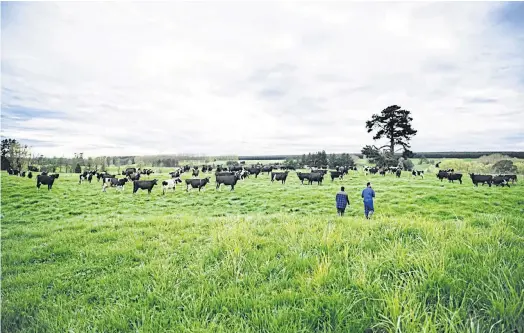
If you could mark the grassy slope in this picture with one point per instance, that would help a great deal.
(266, 257)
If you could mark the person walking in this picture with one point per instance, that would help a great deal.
(368, 194)
(342, 201)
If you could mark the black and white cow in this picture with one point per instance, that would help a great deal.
(415, 173)
(170, 184)
(113, 182)
(398, 173)
(195, 172)
(500, 180)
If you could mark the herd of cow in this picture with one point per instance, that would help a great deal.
(229, 176)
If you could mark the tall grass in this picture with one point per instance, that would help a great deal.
(436, 257)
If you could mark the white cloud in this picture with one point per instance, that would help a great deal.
(253, 78)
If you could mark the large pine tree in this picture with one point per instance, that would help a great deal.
(392, 123)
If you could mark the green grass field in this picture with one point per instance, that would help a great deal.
(436, 257)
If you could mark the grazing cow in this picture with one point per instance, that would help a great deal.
(382, 172)
(510, 178)
(455, 176)
(170, 184)
(90, 178)
(476, 179)
(442, 174)
(144, 185)
(29, 175)
(55, 175)
(415, 173)
(46, 180)
(282, 176)
(316, 177)
(196, 183)
(336, 174)
(195, 172)
(500, 180)
(230, 180)
(254, 171)
(113, 182)
(398, 173)
(447, 170)
(22, 174)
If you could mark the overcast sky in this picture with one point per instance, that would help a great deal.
(259, 78)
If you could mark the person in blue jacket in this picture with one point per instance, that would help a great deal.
(368, 194)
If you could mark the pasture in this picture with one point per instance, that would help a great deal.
(266, 257)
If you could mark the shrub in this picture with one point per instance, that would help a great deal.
(408, 164)
(504, 166)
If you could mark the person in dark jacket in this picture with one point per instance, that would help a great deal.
(368, 194)
(342, 201)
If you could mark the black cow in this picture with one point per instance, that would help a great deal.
(144, 185)
(455, 176)
(282, 176)
(46, 180)
(56, 175)
(195, 172)
(447, 170)
(315, 177)
(113, 182)
(303, 176)
(22, 174)
(230, 180)
(254, 171)
(224, 173)
(500, 180)
(476, 179)
(196, 183)
(382, 172)
(398, 173)
(175, 174)
(442, 174)
(235, 168)
(437, 165)
(267, 169)
(336, 174)
(29, 175)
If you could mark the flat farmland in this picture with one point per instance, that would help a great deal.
(266, 257)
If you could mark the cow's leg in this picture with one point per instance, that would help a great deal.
(460, 180)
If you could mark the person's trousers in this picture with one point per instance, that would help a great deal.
(340, 211)
(368, 208)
